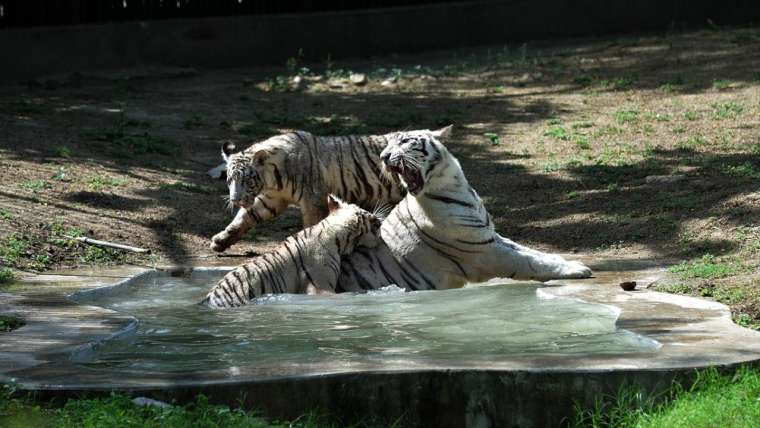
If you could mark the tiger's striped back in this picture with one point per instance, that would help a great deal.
(310, 258)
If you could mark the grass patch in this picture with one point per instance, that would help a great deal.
(97, 255)
(119, 411)
(714, 400)
(626, 117)
(6, 275)
(12, 249)
(99, 183)
(708, 267)
(559, 132)
(63, 152)
(619, 83)
(727, 110)
(5, 214)
(493, 138)
(36, 185)
(721, 84)
(692, 142)
(745, 170)
(8, 323)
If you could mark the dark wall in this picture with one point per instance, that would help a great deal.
(271, 39)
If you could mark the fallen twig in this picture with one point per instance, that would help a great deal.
(98, 243)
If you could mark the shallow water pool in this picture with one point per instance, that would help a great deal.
(487, 323)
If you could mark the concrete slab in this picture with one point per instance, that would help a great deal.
(515, 390)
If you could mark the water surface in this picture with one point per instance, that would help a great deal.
(478, 323)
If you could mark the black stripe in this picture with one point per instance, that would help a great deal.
(278, 177)
(487, 241)
(447, 200)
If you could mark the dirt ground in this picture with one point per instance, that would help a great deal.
(633, 147)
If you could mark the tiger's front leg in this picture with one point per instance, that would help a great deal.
(263, 208)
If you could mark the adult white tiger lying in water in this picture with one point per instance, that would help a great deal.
(307, 262)
(301, 169)
(440, 235)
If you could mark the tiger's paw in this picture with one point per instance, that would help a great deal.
(221, 241)
(574, 270)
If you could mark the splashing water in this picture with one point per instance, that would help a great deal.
(479, 323)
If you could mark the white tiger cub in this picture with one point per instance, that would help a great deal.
(301, 169)
(440, 235)
(307, 262)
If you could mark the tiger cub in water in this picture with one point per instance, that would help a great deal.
(301, 169)
(307, 262)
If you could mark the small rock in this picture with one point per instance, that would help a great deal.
(664, 179)
(628, 285)
(358, 79)
(145, 401)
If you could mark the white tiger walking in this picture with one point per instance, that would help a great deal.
(301, 169)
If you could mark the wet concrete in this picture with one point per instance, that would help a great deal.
(513, 391)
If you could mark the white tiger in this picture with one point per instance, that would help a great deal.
(301, 169)
(307, 262)
(440, 235)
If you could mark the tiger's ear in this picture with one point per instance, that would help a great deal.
(260, 157)
(443, 133)
(228, 148)
(333, 203)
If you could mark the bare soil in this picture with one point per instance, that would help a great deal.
(637, 147)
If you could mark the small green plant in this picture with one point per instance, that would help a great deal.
(6, 275)
(721, 84)
(102, 182)
(571, 195)
(559, 132)
(727, 110)
(619, 83)
(40, 262)
(63, 152)
(8, 323)
(493, 138)
(35, 185)
(102, 255)
(13, 248)
(659, 117)
(583, 79)
(61, 175)
(692, 142)
(551, 165)
(5, 214)
(63, 236)
(626, 117)
(744, 170)
(613, 188)
(679, 129)
(707, 267)
(690, 115)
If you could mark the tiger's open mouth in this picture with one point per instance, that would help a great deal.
(411, 176)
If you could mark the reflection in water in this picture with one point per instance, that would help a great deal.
(479, 323)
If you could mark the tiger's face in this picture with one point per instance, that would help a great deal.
(414, 155)
(246, 173)
(358, 227)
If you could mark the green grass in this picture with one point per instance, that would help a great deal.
(5, 214)
(714, 400)
(619, 83)
(62, 152)
(6, 275)
(8, 323)
(35, 185)
(626, 117)
(101, 182)
(692, 142)
(493, 138)
(12, 249)
(118, 411)
(721, 84)
(559, 132)
(707, 267)
(98, 255)
(746, 170)
(727, 110)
